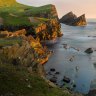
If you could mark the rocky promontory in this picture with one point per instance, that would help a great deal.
(72, 20)
(40, 22)
(22, 28)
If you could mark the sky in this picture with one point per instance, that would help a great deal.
(79, 7)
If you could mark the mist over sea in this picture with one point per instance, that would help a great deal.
(78, 39)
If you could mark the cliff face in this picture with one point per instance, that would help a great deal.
(68, 18)
(48, 31)
(36, 21)
(73, 20)
(27, 52)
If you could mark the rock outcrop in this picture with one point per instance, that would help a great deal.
(49, 31)
(89, 51)
(72, 20)
(27, 51)
(5, 34)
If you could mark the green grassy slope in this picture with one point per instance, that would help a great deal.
(14, 13)
(17, 81)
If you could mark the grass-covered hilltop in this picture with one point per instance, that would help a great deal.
(22, 56)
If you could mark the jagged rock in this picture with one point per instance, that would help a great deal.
(72, 20)
(80, 21)
(52, 69)
(68, 18)
(89, 51)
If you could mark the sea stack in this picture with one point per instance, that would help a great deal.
(72, 20)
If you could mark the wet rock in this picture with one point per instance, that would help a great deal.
(89, 51)
(49, 73)
(66, 79)
(74, 86)
(71, 59)
(57, 73)
(52, 69)
(53, 79)
(65, 46)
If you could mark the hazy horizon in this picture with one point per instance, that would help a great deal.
(78, 7)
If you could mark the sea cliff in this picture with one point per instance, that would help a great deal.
(22, 28)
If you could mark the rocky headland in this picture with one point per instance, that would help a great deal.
(72, 20)
(22, 29)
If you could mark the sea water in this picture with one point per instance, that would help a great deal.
(81, 69)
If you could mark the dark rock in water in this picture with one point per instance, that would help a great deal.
(72, 20)
(57, 73)
(52, 69)
(53, 79)
(92, 93)
(89, 51)
(74, 86)
(66, 79)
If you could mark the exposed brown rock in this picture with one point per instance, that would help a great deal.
(80, 21)
(27, 53)
(4, 34)
(49, 31)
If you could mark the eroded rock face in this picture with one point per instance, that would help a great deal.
(49, 31)
(80, 21)
(27, 53)
(73, 20)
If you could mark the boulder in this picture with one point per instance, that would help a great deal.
(66, 79)
(72, 20)
(53, 79)
(89, 51)
(52, 69)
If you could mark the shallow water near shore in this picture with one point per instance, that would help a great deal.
(80, 69)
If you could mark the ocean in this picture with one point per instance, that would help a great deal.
(71, 61)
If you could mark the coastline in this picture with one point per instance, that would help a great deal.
(22, 56)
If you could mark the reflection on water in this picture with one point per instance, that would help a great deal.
(72, 62)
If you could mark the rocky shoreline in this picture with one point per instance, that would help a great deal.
(22, 53)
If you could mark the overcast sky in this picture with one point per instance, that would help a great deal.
(79, 7)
